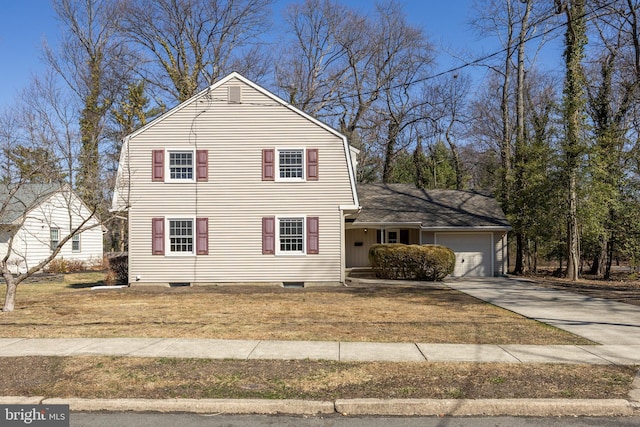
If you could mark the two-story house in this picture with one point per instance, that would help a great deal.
(236, 185)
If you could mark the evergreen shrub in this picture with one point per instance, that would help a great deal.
(411, 262)
(119, 268)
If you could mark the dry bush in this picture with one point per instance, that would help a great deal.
(63, 266)
(411, 262)
(118, 272)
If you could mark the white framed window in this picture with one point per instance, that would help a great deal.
(180, 165)
(54, 238)
(75, 243)
(180, 236)
(290, 238)
(291, 164)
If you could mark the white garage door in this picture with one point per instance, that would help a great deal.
(473, 252)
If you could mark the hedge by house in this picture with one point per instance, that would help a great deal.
(119, 268)
(411, 262)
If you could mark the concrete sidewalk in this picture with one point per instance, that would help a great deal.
(320, 350)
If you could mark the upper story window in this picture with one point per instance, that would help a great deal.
(290, 164)
(181, 165)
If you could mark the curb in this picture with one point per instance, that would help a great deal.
(350, 407)
(486, 407)
(198, 406)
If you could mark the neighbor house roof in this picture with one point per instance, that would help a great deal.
(435, 209)
(25, 198)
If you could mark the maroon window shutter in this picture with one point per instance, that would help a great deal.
(202, 236)
(157, 246)
(158, 165)
(313, 237)
(312, 164)
(268, 165)
(268, 235)
(202, 165)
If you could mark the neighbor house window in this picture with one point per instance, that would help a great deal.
(291, 235)
(54, 238)
(291, 164)
(181, 236)
(181, 165)
(75, 243)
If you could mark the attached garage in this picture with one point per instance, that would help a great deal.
(472, 224)
(474, 254)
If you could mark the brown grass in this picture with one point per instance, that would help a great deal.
(110, 377)
(621, 288)
(393, 313)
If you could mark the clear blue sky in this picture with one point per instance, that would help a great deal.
(24, 24)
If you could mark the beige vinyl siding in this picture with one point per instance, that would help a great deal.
(235, 198)
(500, 265)
(358, 256)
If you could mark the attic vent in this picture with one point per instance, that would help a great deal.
(235, 94)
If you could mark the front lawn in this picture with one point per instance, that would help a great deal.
(390, 313)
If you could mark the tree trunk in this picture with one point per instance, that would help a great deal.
(574, 109)
(10, 297)
(519, 267)
(607, 271)
(390, 151)
(456, 158)
(573, 259)
(600, 259)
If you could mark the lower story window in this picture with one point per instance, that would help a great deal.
(75, 243)
(54, 238)
(181, 236)
(291, 235)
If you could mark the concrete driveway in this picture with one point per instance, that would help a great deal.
(602, 321)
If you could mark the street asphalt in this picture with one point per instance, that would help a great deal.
(615, 327)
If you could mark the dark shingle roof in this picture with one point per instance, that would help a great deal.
(25, 198)
(402, 203)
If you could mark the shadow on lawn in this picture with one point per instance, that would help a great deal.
(84, 285)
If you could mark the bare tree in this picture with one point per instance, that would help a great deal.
(190, 44)
(449, 112)
(92, 60)
(360, 73)
(21, 200)
(313, 65)
(35, 194)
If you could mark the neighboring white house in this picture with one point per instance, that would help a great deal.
(236, 185)
(39, 216)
